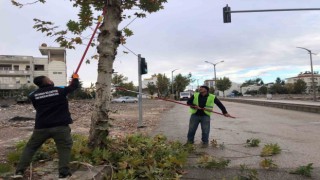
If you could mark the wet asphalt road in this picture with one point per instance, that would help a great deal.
(297, 133)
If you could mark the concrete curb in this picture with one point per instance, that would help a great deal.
(282, 105)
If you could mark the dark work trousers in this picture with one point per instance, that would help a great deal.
(61, 136)
(195, 120)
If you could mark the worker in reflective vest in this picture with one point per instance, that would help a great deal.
(197, 102)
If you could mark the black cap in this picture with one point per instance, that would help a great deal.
(39, 80)
(206, 87)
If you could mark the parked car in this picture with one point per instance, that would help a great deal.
(185, 95)
(125, 99)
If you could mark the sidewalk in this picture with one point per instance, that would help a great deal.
(305, 106)
(174, 125)
(310, 103)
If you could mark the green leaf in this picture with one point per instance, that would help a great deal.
(127, 32)
(270, 149)
(74, 27)
(303, 170)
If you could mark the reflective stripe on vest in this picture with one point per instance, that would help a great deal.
(209, 103)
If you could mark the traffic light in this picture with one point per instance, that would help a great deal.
(227, 14)
(143, 66)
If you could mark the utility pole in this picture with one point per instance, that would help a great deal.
(312, 75)
(198, 83)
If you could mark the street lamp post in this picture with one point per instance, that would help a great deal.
(172, 80)
(198, 83)
(312, 75)
(214, 68)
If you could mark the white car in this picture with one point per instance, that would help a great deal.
(185, 95)
(125, 99)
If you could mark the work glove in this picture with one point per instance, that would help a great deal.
(75, 76)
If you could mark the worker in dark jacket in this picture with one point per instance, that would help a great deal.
(198, 101)
(52, 121)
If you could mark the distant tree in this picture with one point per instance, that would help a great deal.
(25, 90)
(223, 84)
(22, 94)
(121, 81)
(257, 81)
(289, 88)
(162, 85)
(181, 82)
(300, 86)
(151, 88)
(278, 87)
(130, 86)
(263, 90)
(118, 79)
(280, 81)
(80, 93)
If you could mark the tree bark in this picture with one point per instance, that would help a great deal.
(109, 40)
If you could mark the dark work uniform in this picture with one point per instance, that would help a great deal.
(52, 121)
(201, 118)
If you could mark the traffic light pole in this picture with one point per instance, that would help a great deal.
(227, 11)
(140, 92)
(270, 10)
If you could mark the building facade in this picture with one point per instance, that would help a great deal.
(146, 81)
(210, 83)
(307, 78)
(234, 86)
(17, 71)
(252, 87)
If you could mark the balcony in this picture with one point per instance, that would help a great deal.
(16, 59)
(10, 86)
(15, 72)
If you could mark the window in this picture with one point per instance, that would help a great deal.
(7, 80)
(17, 80)
(57, 72)
(38, 67)
(27, 67)
(5, 67)
(16, 67)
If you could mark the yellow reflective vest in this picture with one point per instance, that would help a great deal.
(209, 103)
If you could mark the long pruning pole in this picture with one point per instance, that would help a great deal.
(93, 34)
(170, 100)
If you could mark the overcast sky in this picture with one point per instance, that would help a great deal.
(184, 35)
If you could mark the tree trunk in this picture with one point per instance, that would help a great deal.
(109, 40)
